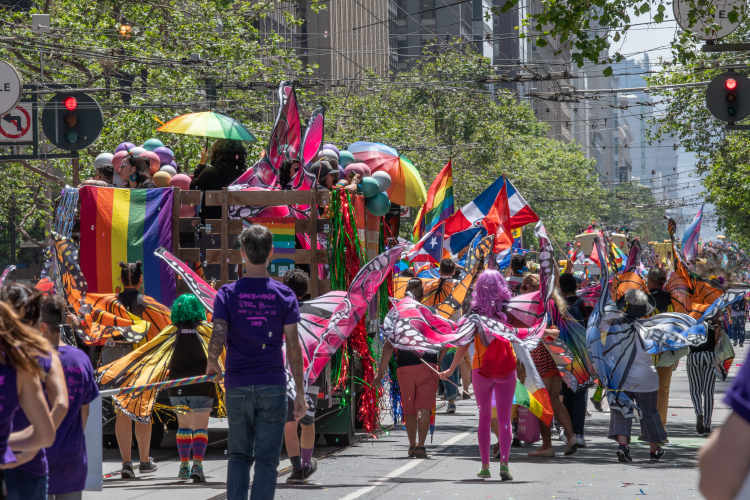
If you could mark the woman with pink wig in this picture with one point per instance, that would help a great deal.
(491, 295)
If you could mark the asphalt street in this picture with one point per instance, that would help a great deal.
(379, 468)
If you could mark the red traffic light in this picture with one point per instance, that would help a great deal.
(71, 103)
(730, 84)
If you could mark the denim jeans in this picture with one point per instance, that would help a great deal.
(451, 391)
(256, 414)
(575, 403)
(24, 485)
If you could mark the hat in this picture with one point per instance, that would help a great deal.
(633, 310)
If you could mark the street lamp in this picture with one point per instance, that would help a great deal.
(125, 31)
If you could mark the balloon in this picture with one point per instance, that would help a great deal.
(161, 179)
(329, 153)
(384, 180)
(333, 148)
(342, 172)
(174, 164)
(356, 168)
(124, 146)
(181, 181)
(346, 158)
(379, 204)
(187, 211)
(117, 181)
(165, 155)
(103, 158)
(136, 151)
(368, 172)
(168, 169)
(370, 187)
(152, 144)
(154, 159)
(117, 160)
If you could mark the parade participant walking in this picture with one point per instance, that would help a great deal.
(701, 375)
(134, 171)
(21, 390)
(253, 317)
(494, 372)
(657, 278)
(28, 481)
(641, 383)
(68, 463)
(189, 360)
(300, 448)
(131, 279)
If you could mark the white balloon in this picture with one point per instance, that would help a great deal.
(117, 181)
(136, 151)
(328, 152)
(103, 158)
(168, 169)
(384, 180)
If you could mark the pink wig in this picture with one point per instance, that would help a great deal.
(491, 293)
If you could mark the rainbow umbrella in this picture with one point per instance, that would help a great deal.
(208, 124)
(407, 188)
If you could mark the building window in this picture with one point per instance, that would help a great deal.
(427, 8)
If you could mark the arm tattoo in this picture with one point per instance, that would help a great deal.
(218, 339)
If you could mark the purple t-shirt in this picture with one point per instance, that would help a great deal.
(738, 396)
(9, 406)
(67, 459)
(256, 310)
(38, 464)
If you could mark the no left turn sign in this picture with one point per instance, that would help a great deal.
(15, 126)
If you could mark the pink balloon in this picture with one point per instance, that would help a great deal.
(153, 158)
(368, 172)
(181, 181)
(356, 168)
(117, 159)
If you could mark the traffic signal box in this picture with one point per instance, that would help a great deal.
(72, 120)
(728, 97)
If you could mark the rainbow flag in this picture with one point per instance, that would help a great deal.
(439, 204)
(531, 393)
(126, 225)
(621, 260)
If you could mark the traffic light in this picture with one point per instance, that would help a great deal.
(728, 97)
(72, 120)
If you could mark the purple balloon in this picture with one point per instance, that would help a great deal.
(165, 155)
(331, 146)
(124, 146)
(342, 172)
(174, 164)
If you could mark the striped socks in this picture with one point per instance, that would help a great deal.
(200, 441)
(184, 443)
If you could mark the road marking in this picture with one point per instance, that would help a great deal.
(358, 493)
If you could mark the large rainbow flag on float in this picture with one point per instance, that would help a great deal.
(439, 204)
(126, 225)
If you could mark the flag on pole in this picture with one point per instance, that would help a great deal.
(439, 204)
(497, 222)
(430, 247)
(691, 236)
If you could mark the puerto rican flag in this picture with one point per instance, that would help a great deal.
(430, 247)
(520, 212)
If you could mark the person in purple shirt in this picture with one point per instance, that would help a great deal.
(68, 464)
(28, 481)
(253, 317)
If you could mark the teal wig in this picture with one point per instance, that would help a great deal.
(187, 307)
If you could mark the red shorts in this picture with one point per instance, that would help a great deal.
(419, 385)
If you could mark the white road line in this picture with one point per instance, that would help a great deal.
(358, 493)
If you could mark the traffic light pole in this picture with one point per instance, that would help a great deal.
(76, 169)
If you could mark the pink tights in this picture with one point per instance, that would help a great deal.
(503, 388)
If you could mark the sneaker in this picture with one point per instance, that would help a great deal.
(196, 473)
(296, 477)
(312, 469)
(699, 427)
(184, 471)
(742, 345)
(588, 413)
(707, 432)
(127, 471)
(147, 467)
(735, 343)
(505, 473)
(656, 455)
(516, 441)
(563, 437)
(484, 474)
(496, 450)
(451, 408)
(597, 404)
(623, 453)
(466, 396)
(581, 441)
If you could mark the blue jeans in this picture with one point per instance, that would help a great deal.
(451, 391)
(24, 485)
(256, 414)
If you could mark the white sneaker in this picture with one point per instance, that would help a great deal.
(563, 437)
(588, 413)
(581, 441)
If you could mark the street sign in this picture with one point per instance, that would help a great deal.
(10, 87)
(728, 96)
(704, 28)
(16, 126)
